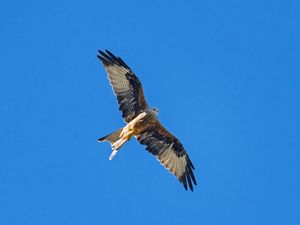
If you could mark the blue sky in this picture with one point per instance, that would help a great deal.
(224, 75)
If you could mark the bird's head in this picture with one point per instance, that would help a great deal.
(155, 110)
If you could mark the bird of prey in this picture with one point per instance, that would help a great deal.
(142, 123)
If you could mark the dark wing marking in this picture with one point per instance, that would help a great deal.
(170, 152)
(125, 84)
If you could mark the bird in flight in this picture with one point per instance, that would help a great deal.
(142, 122)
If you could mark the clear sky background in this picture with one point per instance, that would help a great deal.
(225, 76)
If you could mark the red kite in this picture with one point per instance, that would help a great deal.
(142, 123)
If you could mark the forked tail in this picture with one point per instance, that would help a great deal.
(113, 137)
(115, 141)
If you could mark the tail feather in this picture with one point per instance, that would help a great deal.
(115, 141)
(113, 137)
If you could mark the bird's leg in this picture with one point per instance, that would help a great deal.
(125, 135)
(116, 147)
(112, 155)
(127, 132)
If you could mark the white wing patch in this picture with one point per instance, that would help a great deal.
(175, 164)
(117, 79)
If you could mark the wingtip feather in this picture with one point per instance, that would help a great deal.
(189, 181)
(183, 181)
(103, 60)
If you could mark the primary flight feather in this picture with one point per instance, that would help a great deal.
(142, 123)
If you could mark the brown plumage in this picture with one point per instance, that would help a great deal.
(142, 123)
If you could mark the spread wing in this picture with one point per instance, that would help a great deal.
(125, 84)
(170, 152)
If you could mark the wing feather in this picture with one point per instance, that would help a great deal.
(125, 84)
(170, 152)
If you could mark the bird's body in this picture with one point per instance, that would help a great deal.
(139, 124)
(142, 123)
(135, 127)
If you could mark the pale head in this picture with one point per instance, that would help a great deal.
(155, 110)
